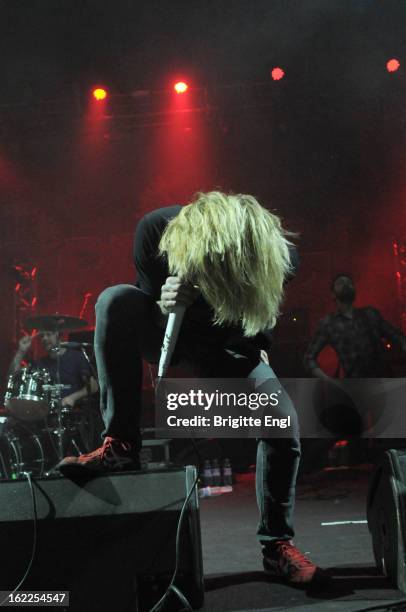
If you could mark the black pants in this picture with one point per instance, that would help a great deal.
(126, 333)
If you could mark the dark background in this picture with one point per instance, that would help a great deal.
(324, 146)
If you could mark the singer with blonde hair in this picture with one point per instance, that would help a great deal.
(236, 252)
(224, 259)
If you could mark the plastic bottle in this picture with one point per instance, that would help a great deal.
(214, 491)
(216, 473)
(207, 474)
(227, 473)
(209, 492)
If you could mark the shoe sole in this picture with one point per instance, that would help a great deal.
(318, 578)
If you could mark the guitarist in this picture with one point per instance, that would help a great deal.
(356, 335)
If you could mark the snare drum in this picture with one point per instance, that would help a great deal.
(26, 398)
(20, 451)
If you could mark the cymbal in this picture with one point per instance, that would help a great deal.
(56, 322)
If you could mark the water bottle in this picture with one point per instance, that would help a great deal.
(216, 473)
(209, 492)
(214, 491)
(207, 474)
(227, 473)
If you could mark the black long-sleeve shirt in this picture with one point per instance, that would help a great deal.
(152, 271)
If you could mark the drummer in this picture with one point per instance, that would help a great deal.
(74, 370)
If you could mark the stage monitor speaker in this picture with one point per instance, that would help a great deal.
(386, 514)
(103, 540)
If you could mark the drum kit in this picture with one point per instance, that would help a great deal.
(36, 431)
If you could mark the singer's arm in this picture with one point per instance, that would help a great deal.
(166, 291)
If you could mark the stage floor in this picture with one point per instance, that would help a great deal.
(232, 561)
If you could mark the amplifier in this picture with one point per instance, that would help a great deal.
(386, 514)
(103, 538)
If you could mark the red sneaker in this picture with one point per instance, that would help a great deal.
(113, 456)
(283, 559)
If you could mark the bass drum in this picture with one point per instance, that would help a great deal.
(21, 451)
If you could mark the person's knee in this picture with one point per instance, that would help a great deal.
(110, 296)
(289, 445)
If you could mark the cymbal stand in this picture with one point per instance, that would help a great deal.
(91, 366)
(59, 408)
(90, 423)
(56, 400)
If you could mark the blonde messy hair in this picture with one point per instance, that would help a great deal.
(236, 252)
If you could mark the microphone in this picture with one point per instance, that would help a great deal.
(170, 338)
(74, 345)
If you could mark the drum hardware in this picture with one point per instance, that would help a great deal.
(21, 450)
(56, 322)
(29, 399)
(62, 427)
(82, 347)
(63, 415)
(34, 446)
(3, 466)
(26, 394)
(32, 397)
(75, 345)
(58, 402)
(54, 392)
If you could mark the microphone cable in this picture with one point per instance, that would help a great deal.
(34, 541)
(172, 588)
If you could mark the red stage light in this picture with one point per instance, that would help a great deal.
(99, 94)
(277, 74)
(180, 87)
(392, 65)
